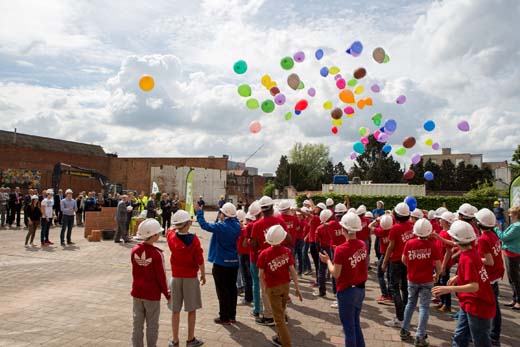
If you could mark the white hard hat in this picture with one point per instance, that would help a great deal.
(34, 197)
(340, 208)
(241, 215)
(265, 201)
(304, 209)
(129, 208)
(229, 210)
(486, 218)
(250, 216)
(440, 211)
(352, 209)
(68, 191)
(284, 205)
(386, 222)
(148, 227)
(417, 213)
(431, 214)
(422, 228)
(275, 235)
(306, 202)
(462, 232)
(351, 222)
(329, 202)
(180, 217)
(466, 210)
(402, 209)
(448, 217)
(369, 214)
(255, 208)
(361, 210)
(325, 215)
(50, 191)
(322, 206)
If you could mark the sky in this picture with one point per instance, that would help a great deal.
(70, 70)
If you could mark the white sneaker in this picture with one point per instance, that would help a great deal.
(334, 304)
(394, 323)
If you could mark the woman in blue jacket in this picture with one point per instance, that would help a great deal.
(511, 248)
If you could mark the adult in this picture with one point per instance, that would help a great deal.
(511, 248)
(15, 206)
(151, 207)
(220, 203)
(166, 208)
(90, 202)
(499, 214)
(122, 215)
(47, 207)
(379, 211)
(26, 204)
(224, 256)
(142, 200)
(80, 208)
(68, 210)
(176, 204)
(57, 206)
(34, 215)
(4, 198)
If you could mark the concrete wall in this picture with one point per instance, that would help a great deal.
(375, 189)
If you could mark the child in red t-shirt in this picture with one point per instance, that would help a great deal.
(445, 246)
(323, 241)
(276, 266)
(476, 299)
(244, 250)
(381, 228)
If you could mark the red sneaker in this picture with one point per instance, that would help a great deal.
(381, 299)
(44, 244)
(50, 243)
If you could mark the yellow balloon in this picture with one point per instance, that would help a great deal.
(327, 105)
(337, 122)
(146, 83)
(271, 85)
(359, 89)
(266, 80)
(428, 142)
(334, 70)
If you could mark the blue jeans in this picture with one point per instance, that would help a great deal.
(443, 281)
(257, 304)
(384, 284)
(496, 324)
(67, 222)
(298, 254)
(306, 259)
(350, 302)
(322, 275)
(44, 235)
(473, 327)
(416, 291)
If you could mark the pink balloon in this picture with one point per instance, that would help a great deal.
(255, 127)
(376, 134)
(364, 140)
(349, 110)
(383, 137)
(341, 84)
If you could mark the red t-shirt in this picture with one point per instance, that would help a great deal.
(323, 235)
(275, 261)
(383, 238)
(364, 234)
(243, 236)
(258, 233)
(420, 256)
(481, 303)
(352, 256)
(489, 243)
(436, 226)
(149, 278)
(443, 248)
(293, 226)
(336, 234)
(249, 231)
(400, 232)
(314, 224)
(184, 260)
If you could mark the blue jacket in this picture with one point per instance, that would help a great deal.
(510, 238)
(223, 244)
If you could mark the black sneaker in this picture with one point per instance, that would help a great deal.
(195, 342)
(254, 314)
(172, 343)
(269, 322)
(276, 341)
(404, 334)
(421, 342)
(62, 243)
(220, 321)
(70, 243)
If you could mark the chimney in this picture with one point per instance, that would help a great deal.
(14, 137)
(446, 151)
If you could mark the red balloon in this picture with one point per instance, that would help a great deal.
(301, 105)
(274, 91)
(334, 130)
(409, 174)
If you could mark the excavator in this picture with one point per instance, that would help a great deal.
(62, 168)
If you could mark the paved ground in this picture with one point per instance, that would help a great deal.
(79, 296)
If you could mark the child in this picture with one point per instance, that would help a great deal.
(254, 212)
(336, 238)
(275, 264)
(446, 250)
(305, 218)
(381, 228)
(186, 261)
(351, 272)
(243, 257)
(323, 241)
(149, 282)
(476, 299)
(419, 256)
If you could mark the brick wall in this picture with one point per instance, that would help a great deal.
(99, 220)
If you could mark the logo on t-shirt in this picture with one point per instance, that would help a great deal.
(419, 254)
(496, 248)
(406, 236)
(338, 232)
(483, 274)
(279, 262)
(360, 255)
(142, 261)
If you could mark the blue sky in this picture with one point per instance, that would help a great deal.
(70, 70)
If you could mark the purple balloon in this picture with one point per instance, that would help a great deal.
(337, 77)
(299, 56)
(375, 88)
(383, 137)
(416, 158)
(463, 126)
(436, 146)
(353, 155)
(279, 99)
(311, 92)
(401, 99)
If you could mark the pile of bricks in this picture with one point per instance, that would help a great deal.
(99, 220)
(95, 236)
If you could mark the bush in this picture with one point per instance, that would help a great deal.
(431, 202)
(269, 189)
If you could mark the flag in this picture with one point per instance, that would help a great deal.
(514, 192)
(189, 192)
(155, 188)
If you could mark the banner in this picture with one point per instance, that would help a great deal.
(514, 192)
(189, 192)
(155, 188)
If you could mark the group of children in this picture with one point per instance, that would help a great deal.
(416, 251)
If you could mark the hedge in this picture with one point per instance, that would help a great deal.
(431, 202)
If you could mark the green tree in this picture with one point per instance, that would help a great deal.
(515, 165)
(418, 169)
(282, 173)
(435, 184)
(447, 176)
(269, 189)
(312, 159)
(339, 169)
(328, 173)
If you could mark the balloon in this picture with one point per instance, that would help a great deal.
(429, 125)
(293, 81)
(360, 73)
(337, 77)
(319, 54)
(297, 112)
(409, 142)
(336, 113)
(146, 83)
(364, 140)
(267, 106)
(271, 85)
(428, 175)
(288, 116)
(356, 47)
(353, 155)
(266, 81)
(301, 105)
(334, 130)
(390, 125)
(359, 89)
(379, 55)
(244, 90)
(387, 59)
(324, 71)
(240, 67)
(287, 63)
(428, 142)
(340, 83)
(463, 126)
(352, 82)
(334, 70)
(255, 127)
(252, 104)
(274, 91)
(311, 92)
(359, 147)
(347, 96)
(401, 99)
(383, 137)
(416, 158)
(375, 88)
(299, 56)
(337, 122)
(349, 110)
(301, 85)
(436, 146)
(368, 101)
(364, 131)
(279, 99)
(376, 134)
(411, 202)
(361, 104)
(387, 149)
(377, 119)
(327, 105)
(401, 151)
(409, 174)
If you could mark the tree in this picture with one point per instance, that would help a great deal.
(515, 165)
(339, 169)
(435, 184)
(269, 189)
(312, 159)
(447, 175)
(328, 173)
(282, 173)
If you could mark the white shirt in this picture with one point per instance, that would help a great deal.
(47, 205)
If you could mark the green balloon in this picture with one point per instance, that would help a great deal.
(252, 104)
(301, 85)
(288, 115)
(352, 82)
(240, 67)
(377, 119)
(287, 63)
(268, 106)
(387, 59)
(244, 90)
(401, 151)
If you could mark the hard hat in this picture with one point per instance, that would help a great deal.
(255, 208)
(369, 214)
(68, 191)
(241, 215)
(306, 202)
(275, 235)
(229, 210)
(431, 214)
(129, 208)
(486, 218)
(322, 206)
(325, 215)
(340, 208)
(180, 217)
(250, 216)
(50, 191)
(448, 217)
(284, 205)
(417, 213)
(329, 202)
(265, 201)
(351, 222)
(386, 222)
(496, 202)
(34, 197)
(440, 211)
(352, 209)
(466, 210)
(304, 209)
(148, 227)
(402, 209)
(462, 232)
(422, 228)
(361, 210)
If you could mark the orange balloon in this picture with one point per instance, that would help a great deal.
(146, 83)
(347, 96)
(361, 104)
(368, 101)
